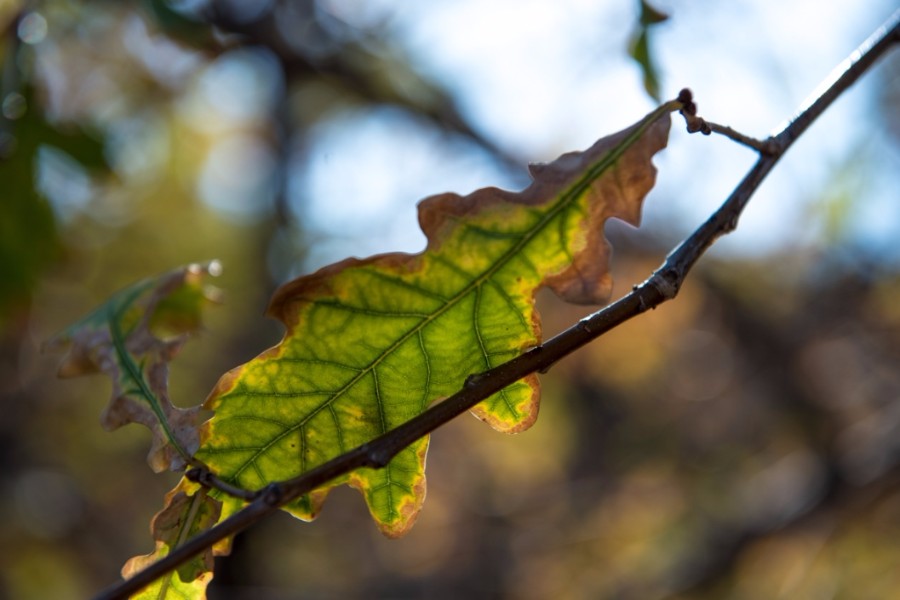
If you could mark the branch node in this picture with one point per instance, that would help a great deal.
(378, 458)
(202, 475)
(686, 97)
(732, 223)
(666, 282)
(272, 494)
(689, 112)
(474, 380)
(771, 146)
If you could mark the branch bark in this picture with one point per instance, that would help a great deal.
(662, 285)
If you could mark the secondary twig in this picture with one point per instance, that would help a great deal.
(202, 475)
(766, 146)
(661, 286)
(696, 123)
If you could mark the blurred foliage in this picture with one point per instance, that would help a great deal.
(28, 233)
(639, 47)
(737, 442)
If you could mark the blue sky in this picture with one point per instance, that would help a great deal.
(542, 78)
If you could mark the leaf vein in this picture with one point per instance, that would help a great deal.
(474, 282)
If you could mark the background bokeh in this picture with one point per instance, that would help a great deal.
(742, 441)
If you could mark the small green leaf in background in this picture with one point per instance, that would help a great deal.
(122, 340)
(639, 47)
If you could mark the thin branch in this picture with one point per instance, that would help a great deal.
(202, 475)
(661, 286)
(697, 123)
(766, 146)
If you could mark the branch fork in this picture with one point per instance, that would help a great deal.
(696, 123)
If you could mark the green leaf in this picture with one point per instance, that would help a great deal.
(120, 339)
(639, 47)
(371, 343)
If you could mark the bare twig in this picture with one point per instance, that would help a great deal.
(766, 146)
(696, 123)
(661, 286)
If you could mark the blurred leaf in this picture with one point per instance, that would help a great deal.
(28, 236)
(371, 343)
(179, 24)
(639, 48)
(185, 514)
(118, 340)
(651, 16)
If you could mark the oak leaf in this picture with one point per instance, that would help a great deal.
(370, 343)
(132, 338)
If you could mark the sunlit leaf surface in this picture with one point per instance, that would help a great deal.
(371, 343)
